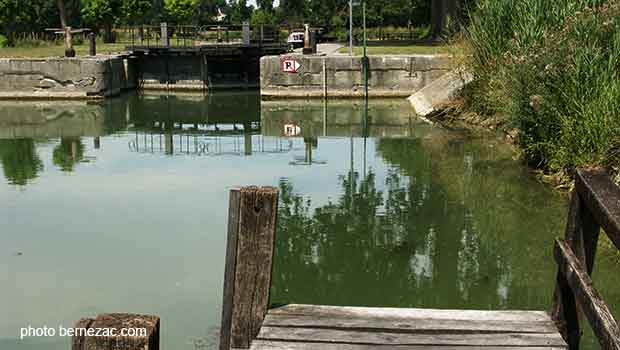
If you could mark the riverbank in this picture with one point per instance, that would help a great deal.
(66, 78)
(549, 71)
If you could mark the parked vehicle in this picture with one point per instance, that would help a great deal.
(296, 39)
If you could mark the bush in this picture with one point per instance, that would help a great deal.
(552, 69)
(4, 42)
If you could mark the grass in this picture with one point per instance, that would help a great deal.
(400, 50)
(57, 50)
(552, 70)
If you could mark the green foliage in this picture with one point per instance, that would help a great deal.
(262, 17)
(238, 11)
(68, 153)
(552, 68)
(20, 161)
(181, 11)
(134, 11)
(4, 42)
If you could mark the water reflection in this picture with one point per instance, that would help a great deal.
(383, 210)
(447, 223)
(20, 161)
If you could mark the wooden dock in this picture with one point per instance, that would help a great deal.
(248, 321)
(360, 328)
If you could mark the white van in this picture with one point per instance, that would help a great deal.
(296, 39)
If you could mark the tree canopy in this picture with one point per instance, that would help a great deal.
(35, 15)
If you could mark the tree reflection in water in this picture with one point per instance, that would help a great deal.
(20, 161)
(423, 240)
(69, 152)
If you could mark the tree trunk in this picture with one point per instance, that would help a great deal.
(62, 12)
(437, 18)
(443, 14)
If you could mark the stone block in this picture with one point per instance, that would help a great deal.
(20, 65)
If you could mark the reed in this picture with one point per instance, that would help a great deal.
(551, 69)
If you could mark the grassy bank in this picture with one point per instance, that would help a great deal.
(399, 50)
(551, 70)
(57, 50)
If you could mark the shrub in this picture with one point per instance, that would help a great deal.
(4, 42)
(552, 69)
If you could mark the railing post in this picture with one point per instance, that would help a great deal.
(165, 42)
(92, 44)
(249, 257)
(246, 33)
(581, 233)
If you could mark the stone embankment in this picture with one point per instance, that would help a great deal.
(342, 76)
(66, 78)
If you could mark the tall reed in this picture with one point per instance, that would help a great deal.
(551, 68)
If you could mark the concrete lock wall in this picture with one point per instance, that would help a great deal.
(84, 77)
(318, 76)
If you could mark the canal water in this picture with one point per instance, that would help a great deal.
(121, 206)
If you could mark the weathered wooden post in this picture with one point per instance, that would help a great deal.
(69, 51)
(249, 257)
(581, 233)
(165, 42)
(131, 331)
(245, 33)
(92, 44)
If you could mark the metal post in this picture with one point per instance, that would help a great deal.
(164, 34)
(92, 44)
(246, 33)
(350, 27)
(365, 58)
(69, 51)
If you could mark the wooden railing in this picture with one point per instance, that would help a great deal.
(595, 204)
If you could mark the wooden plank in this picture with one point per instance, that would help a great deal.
(602, 197)
(400, 324)
(412, 314)
(255, 243)
(390, 338)
(603, 323)
(582, 234)
(278, 345)
(229, 268)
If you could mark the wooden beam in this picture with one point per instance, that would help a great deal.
(229, 268)
(251, 237)
(602, 197)
(582, 234)
(339, 336)
(596, 311)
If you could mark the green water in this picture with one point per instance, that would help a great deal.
(121, 207)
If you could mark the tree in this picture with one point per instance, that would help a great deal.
(62, 13)
(208, 10)
(135, 11)
(265, 5)
(238, 11)
(181, 11)
(101, 13)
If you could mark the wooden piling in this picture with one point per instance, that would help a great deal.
(249, 256)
